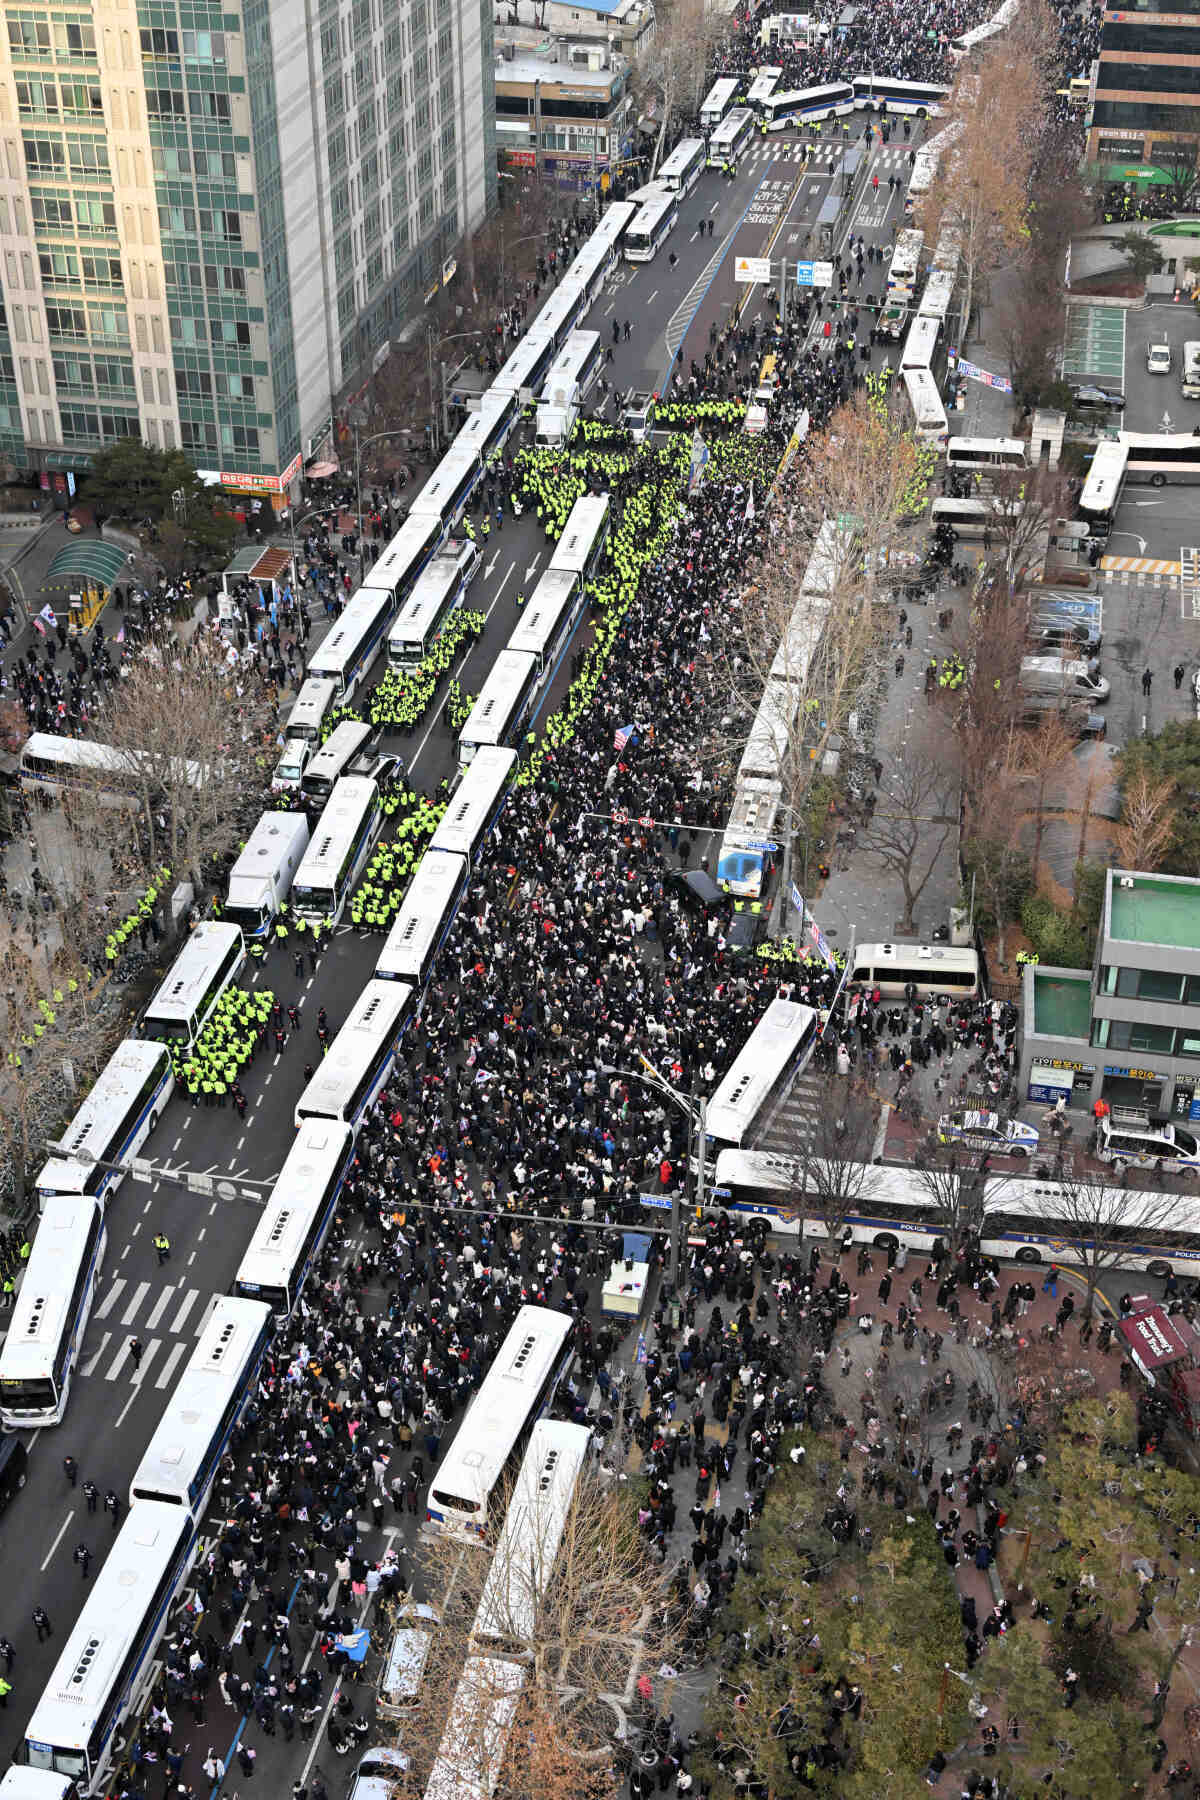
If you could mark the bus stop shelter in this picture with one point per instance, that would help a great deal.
(87, 573)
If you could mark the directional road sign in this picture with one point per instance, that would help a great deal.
(814, 274)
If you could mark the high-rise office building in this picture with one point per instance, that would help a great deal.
(1147, 88)
(212, 214)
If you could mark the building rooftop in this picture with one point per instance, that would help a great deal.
(1062, 1004)
(1156, 909)
(528, 69)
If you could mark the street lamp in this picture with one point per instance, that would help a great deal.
(359, 444)
(314, 512)
(530, 237)
(432, 345)
(695, 1111)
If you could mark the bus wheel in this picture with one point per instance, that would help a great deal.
(1028, 1254)
(153, 1121)
(885, 1240)
(1159, 1269)
(1158, 481)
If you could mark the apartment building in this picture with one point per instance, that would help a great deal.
(212, 215)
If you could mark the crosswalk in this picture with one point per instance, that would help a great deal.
(172, 1308)
(793, 1126)
(892, 160)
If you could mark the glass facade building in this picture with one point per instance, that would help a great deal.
(212, 214)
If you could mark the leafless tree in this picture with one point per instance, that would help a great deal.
(577, 1629)
(953, 1177)
(835, 1173)
(1105, 1222)
(196, 731)
(913, 821)
(58, 1032)
(1148, 816)
(670, 77)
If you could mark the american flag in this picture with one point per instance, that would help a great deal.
(622, 737)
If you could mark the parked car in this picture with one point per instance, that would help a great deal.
(988, 1131)
(378, 1774)
(1097, 399)
(1060, 638)
(1078, 719)
(14, 1460)
(404, 1669)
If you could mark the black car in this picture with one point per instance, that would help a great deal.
(746, 932)
(14, 1458)
(1097, 399)
(699, 892)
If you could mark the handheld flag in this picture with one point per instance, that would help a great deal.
(750, 502)
(623, 736)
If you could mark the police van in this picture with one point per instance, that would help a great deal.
(1128, 1135)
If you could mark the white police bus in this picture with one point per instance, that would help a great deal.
(346, 655)
(426, 915)
(475, 804)
(51, 1312)
(360, 1058)
(297, 1216)
(209, 962)
(124, 1105)
(777, 1050)
(180, 1462)
(518, 1387)
(107, 1664)
(338, 848)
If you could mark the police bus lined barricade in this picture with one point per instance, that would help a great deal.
(51, 1313)
(180, 1461)
(297, 1216)
(122, 1108)
(339, 847)
(209, 962)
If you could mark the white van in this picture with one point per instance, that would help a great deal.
(404, 1670)
(1158, 358)
(1128, 1135)
(312, 703)
(291, 765)
(1061, 675)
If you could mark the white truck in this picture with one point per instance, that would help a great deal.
(261, 878)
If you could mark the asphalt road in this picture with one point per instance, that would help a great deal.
(113, 1408)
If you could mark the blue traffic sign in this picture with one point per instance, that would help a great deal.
(661, 1202)
(767, 844)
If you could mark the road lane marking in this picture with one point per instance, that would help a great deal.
(143, 1288)
(168, 1368)
(58, 1540)
(189, 1300)
(93, 1360)
(110, 1299)
(160, 1307)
